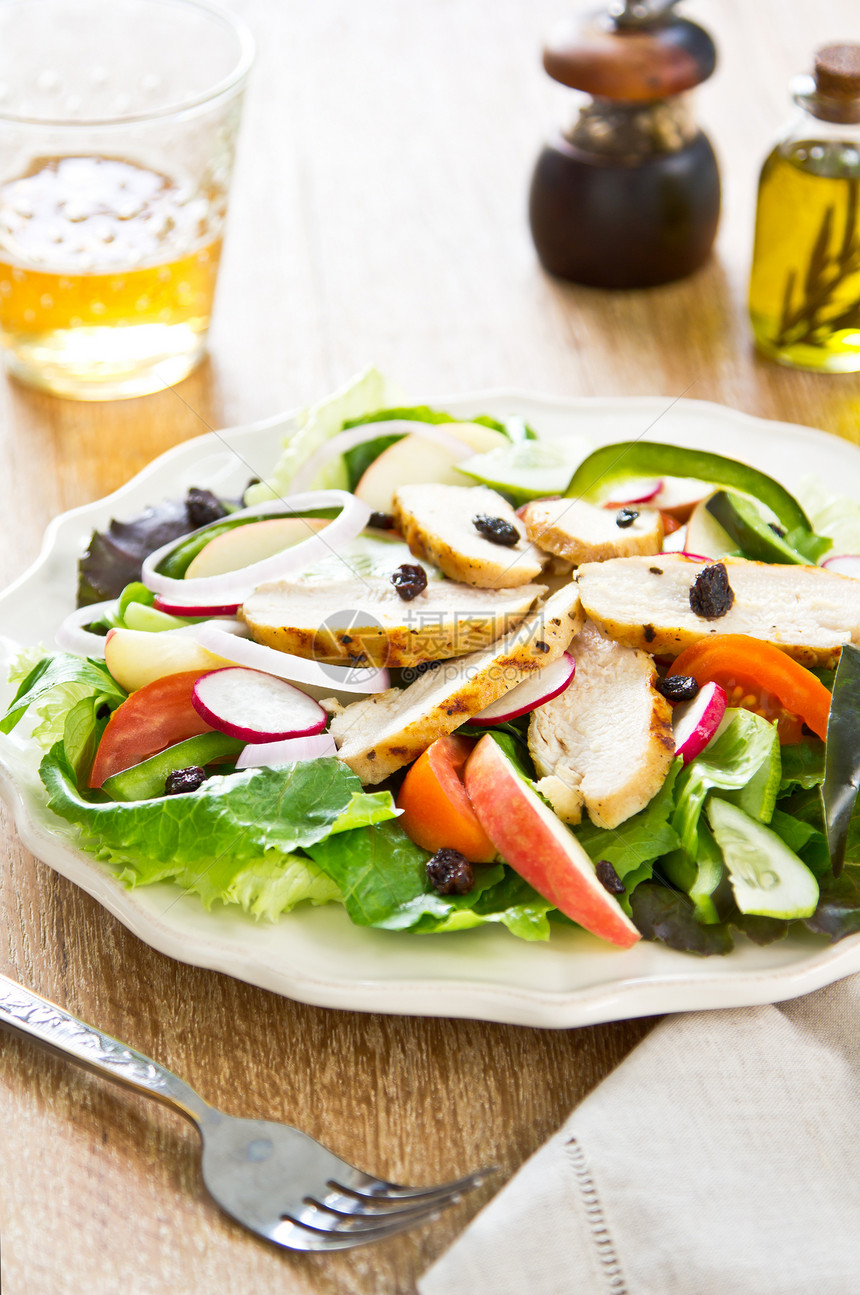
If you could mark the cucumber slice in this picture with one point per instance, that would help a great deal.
(767, 877)
(528, 470)
(145, 781)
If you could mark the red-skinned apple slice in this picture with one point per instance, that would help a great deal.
(539, 847)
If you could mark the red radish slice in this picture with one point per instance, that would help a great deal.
(531, 693)
(682, 553)
(256, 656)
(695, 722)
(314, 747)
(255, 707)
(637, 492)
(187, 609)
(348, 440)
(233, 587)
(846, 564)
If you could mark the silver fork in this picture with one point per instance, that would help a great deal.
(274, 1179)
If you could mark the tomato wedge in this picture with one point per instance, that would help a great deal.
(759, 677)
(155, 717)
(436, 808)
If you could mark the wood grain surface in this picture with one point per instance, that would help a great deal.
(377, 216)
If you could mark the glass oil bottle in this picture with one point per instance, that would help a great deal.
(805, 285)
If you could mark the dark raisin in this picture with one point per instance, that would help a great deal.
(711, 595)
(382, 521)
(180, 780)
(409, 581)
(496, 529)
(625, 517)
(609, 878)
(656, 571)
(203, 507)
(677, 687)
(450, 873)
(649, 632)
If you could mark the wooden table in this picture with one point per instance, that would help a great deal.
(378, 215)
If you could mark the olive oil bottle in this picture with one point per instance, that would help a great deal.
(805, 285)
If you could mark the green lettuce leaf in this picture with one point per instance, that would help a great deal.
(744, 759)
(382, 877)
(215, 841)
(802, 765)
(362, 394)
(275, 883)
(668, 915)
(838, 911)
(53, 687)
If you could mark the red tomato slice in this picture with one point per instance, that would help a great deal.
(759, 677)
(151, 719)
(436, 808)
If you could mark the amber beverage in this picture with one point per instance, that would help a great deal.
(110, 240)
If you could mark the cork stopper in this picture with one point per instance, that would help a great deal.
(833, 92)
(837, 71)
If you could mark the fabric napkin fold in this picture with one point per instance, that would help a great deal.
(722, 1156)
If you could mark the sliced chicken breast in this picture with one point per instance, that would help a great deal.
(366, 622)
(382, 733)
(437, 523)
(581, 532)
(644, 602)
(605, 742)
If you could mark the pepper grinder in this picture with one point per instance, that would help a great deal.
(628, 194)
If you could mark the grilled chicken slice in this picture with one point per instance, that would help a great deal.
(644, 602)
(366, 622)
(605, 742)
(437, 524)
(382, 733)
(580, 532)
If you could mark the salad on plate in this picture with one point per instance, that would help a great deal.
(447, 674)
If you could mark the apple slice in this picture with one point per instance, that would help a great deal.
(539, 847)
(137, 657)
(243, 545)
(414, 460)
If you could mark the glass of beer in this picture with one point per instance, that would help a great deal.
(118, 123)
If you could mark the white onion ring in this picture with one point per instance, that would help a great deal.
(355, 436)
(72, 637)
(295, 669)
(286, 751)
(234, 586)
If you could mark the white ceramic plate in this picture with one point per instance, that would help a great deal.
(317, 955)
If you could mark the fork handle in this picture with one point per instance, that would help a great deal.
(26, 1013)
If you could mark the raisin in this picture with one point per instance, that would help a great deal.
(711, 595)
(409, 581)
(181, 780)
(203, 507)
(381, 521)
(450, 872)
(496, 530)
(609, 878)
(677, 687)
(625, 517)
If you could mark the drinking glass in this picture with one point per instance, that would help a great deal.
(118, 123)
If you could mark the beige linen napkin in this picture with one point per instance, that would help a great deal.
(721, 1158)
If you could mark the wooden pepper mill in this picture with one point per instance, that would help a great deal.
(627, 195)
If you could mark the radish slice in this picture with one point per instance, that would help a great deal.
(846, 564)
(637, 492)
(72, 637)
(314, 747)
(355, 436)
(256, 656)
(233, 587)
(531, 693)
(186, 609)
(682, 553)
(695, 722)
(255, 707)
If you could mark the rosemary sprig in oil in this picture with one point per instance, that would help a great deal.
(808, 320)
